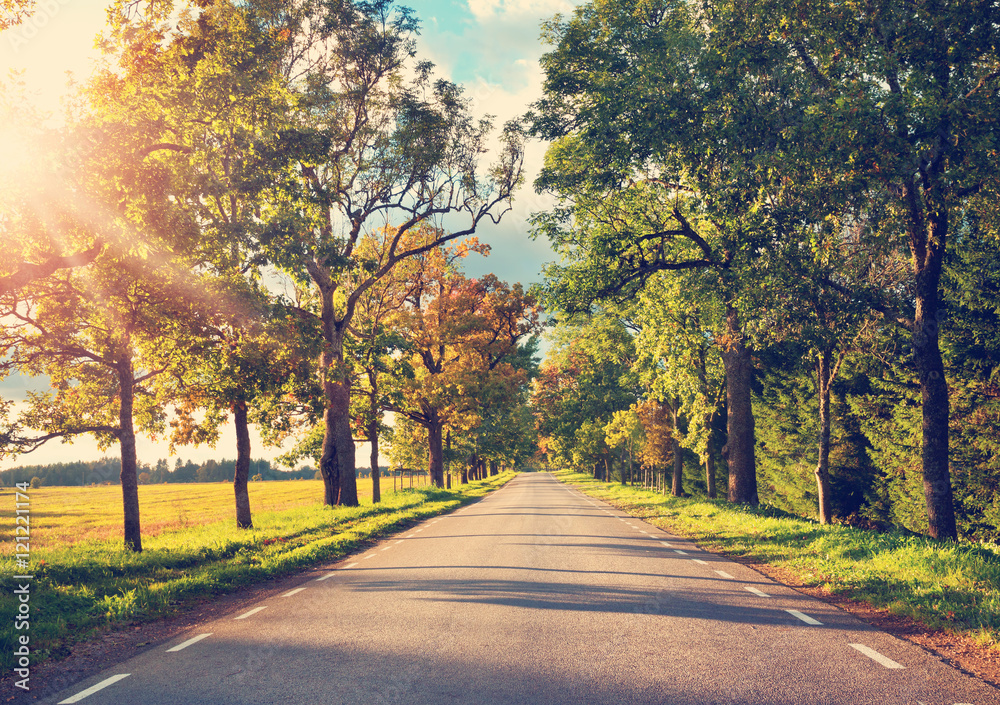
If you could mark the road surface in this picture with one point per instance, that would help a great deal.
(537, 594)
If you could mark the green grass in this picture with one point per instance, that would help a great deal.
(82, 587)
(952, 586)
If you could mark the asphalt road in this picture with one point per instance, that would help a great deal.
(537, 594)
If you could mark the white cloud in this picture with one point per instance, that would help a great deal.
(516, 10)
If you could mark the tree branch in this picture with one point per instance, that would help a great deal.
(27, 272)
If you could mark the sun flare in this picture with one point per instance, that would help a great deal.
(15, 152)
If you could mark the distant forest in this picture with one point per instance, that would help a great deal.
(108, 470)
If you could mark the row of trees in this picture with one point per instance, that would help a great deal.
(108, 471)
(244, 216)
(784, 205)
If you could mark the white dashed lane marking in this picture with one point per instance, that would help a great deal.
(699, 561)
(94, 688)
(756, 592)
(725, 575)
(680, 552)
(876, 656)
(296, 591)
(193, 640)
(804, 617)
(254, 611)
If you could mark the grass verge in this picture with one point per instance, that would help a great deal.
(84, 588)
(944, 585)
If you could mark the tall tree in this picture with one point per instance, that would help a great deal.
(903, 98)
(91, 332)
(378, 142)
(640, 96)
(222, 60)
(462, 332)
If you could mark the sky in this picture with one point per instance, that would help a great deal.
(490, 47)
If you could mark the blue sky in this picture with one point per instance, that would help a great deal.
(491, 47)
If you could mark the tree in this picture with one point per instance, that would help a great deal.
(377, 142)
(626, 431)
(90, 331)
(903, 99)
(378, 354)
(219, 60)
(461, 332)
(639, 97)
(581, 383)
(13, 12)
(681, 334)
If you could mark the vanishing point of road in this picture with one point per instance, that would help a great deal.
(537, 594)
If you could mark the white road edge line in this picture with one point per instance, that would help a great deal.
(755, 591)
(296, 591)
(876, 656)
(804, 617)
(725, 575)
(94, 688)
(254, 611)
(194, 640)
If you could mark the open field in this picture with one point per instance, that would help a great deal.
(62, 516)
(944, 585)
(84, 580)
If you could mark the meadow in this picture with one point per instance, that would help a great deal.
(85, 582)
(942, 584)
(62, 516)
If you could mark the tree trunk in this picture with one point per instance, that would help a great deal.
(740, 422)
(435, 452)
(933, 386)
(467, 468)
(823, 465)
(376, 473)
(126, 438)
(340, 486)
(677, 487)
(709, 455)
(493, 468)
(448, 445)
(337, 461)
(710, 467)
(243, 518)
